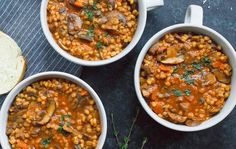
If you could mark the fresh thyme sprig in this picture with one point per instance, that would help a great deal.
(144, 142)
(115, 132)
(125, 143)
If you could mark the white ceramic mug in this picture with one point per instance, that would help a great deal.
(49, 75)
(193, 23)
(143, 6)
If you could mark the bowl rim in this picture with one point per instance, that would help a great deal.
(135, 39)
(143, 102)
(50, 75)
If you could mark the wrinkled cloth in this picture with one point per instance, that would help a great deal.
(20, 19)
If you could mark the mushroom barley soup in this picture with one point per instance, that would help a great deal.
(92, 29)
(53, 114)
(185, 78)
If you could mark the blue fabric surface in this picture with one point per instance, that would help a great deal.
(20, 19)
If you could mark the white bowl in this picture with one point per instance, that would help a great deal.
(49, 75)
(142, 8)
(193, 23)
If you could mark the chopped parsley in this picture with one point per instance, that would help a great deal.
(46, 142)
(183, 65)
(188, 72)
(186, 76)
(187, 92)
(60, 128)
(197, 66)
(63, 117)
(62, 123)
(89, 13)
(189, 81)
(106, 34)
(206, 61)
(175, 69)
(177, 92)
(90, 32)
(95, 5)
(99, 45)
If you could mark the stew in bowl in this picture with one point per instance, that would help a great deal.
(185, 78)
(53, 111)
(92, 29)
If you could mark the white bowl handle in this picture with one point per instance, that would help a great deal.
(152, 4)
(194, 15)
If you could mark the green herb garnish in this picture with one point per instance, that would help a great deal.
(187, 73)
(175, 69)
(177, 92)
(46, 142)
(95, 5)
(186, 76)
(125, 142)
(62, 123)
(60, 128)
(106, 34)
(99, 45)
(189, 81)
(89, 13)
(198, 66)
(187, 92)
(90, 32)
(64, 116)
(206, 61)
(183, 65)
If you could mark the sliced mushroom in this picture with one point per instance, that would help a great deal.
(70, 129)
(83, 34)
(173, 60)
(176, 118)
(184, 105)
(77, 146)
(209, 78)
(116, 14)
(108, 21)
(49, 112)
(87, 136)
(221, 77)
(192, 123)
(74, 23)
(158, 48)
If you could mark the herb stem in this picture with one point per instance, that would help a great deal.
(115, 131)
(134, 121)
(132, 127)
(144, 142)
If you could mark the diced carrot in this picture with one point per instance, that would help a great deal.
(164, 68)
(84, 93)
(79, 3)
(22, 145)
(218, 64)
(154, 94)
(158, 108)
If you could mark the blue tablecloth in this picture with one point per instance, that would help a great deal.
(20, 19)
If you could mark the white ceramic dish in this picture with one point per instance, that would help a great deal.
(193, 23)
(144, 5)
(47, 75)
